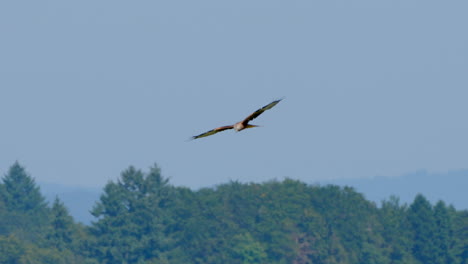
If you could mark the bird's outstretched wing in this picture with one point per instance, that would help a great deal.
(213, 131)
(260, 111)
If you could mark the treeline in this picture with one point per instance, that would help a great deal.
(142, 218)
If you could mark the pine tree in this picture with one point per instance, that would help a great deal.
(27, 211)
(61, 231)
(460, 247)
(132, 218)
(444, 234)
(421, 218)
(20, 192)
(396, 231)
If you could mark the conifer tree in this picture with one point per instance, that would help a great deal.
(20, 192)
(61, 231)
(132, 218)
(27, 211)
(460, 248)
(421, 218)
(396, 231)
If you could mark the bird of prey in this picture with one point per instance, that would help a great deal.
(242, 124)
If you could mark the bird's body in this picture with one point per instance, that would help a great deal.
(238, 126)
(242, 124)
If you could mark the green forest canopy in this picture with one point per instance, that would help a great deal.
(142, 218)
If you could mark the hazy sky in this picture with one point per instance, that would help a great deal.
(88, 88)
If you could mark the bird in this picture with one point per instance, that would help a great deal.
(244, 124)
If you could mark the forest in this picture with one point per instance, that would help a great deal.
(142, 218)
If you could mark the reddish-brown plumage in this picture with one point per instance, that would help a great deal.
(242, 124)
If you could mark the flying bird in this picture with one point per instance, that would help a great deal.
(242, 124)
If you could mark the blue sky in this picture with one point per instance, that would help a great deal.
(372, 88)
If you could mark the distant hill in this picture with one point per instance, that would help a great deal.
(78, 200)
(450, 187)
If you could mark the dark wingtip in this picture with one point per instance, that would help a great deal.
(278, 100)
(191, 138)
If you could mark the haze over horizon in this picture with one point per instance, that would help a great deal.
(450, 188)
(371, 89)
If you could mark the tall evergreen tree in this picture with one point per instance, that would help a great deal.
(61, 231)
(132, 221)
(20, 192)
(460, 247)
(27, 211)
(396, 231)
(421, 218)
(444, 234)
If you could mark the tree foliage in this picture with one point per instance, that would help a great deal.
(133, 218)
(142, 218)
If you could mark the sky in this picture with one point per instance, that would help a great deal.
(371, 88)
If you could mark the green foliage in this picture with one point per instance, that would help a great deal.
(396, 232)
(141, 218)
(33, 232)
(421, 218)
(246, 250)
(132, 218)
(371, 254)
(443, 237)
(460, 243)
(61, 232)
(20, 193)
(11, 250)
(25, 210)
